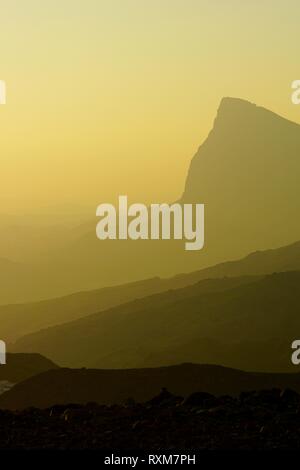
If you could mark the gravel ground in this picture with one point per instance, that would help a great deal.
(257, 420)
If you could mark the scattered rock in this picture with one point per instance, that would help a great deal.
(257, 420)
(290, 397)
(201, 399)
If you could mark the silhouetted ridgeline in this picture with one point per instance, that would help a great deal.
(20, 366)
(64, 386)
(247, 323)
(20, 319)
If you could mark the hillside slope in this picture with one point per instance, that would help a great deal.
(21, 319)
(64, 386)
(20, 367)
(254, 318)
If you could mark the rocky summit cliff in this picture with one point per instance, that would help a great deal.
(247, 173)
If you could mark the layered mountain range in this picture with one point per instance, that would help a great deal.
(246, 173)
(235, 303)
(241, 314)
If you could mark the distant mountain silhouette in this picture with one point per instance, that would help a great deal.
(65, 386)
(240, 322)
(21, 319)
(246, 173)
(20, 367)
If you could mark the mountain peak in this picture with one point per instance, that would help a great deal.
(247, 166)
(238, 110)
(230, 104)
(233, 101)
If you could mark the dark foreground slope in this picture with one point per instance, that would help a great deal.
(245, 323)
(20, 367)
(63, 386)
(261, 420)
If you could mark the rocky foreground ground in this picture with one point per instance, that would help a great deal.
(258, 420)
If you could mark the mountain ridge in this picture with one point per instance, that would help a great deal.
(224, 319)
(20, 319)
(82, 386)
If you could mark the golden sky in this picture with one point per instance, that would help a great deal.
(109, 97)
